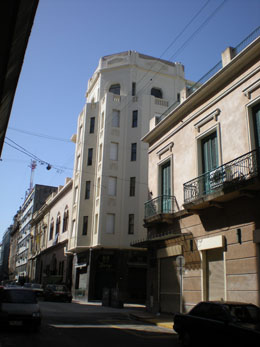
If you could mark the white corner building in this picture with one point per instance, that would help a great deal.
(127, 92)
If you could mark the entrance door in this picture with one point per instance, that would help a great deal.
(215, 274)
(209, 149)
(169, 286)
(166, 188)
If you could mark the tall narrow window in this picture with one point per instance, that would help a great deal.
(133, 151)
(65, 220)
(209, 152)
(110, 223)
(116, 119)
(133, 89)
(98, 186)
(132, 186)
(166, 202)
(76, 195)
(90, 156)
(113, 151)
(135, 119)
(78, 163)
(57, 225)
(85, 225)
(256, 120)
(131, 219)
(102, 120)
(100, 152)
(112, 186)
(92, 125)
(115, 89)
(87, 190)
(51, 229)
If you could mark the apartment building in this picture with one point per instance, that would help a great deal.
(48, 261)
(33, 201)
(204, 176)
(126, 91)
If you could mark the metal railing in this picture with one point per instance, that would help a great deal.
(160, 204)
(225, 177)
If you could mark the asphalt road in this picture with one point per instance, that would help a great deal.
(69, 325)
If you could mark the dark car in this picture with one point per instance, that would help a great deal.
(19, 307)
(219, 323)
(57, 292)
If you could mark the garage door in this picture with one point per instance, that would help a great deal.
(169, 286)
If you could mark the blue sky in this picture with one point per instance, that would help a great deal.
(67, 40)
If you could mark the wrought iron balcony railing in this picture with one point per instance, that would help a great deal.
(160, 204)
(223, 177)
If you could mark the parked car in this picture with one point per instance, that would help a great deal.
(219, 323)
(19, 307)
(37, 288)
(57, 292)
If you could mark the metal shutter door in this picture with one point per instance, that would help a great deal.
(215, 274)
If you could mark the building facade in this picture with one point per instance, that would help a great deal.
(34, 200)
(204, 174)
(48, 261)
(126, 92)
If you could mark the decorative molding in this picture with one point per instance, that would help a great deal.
(249, 90)
(213, 115)
(165, 149)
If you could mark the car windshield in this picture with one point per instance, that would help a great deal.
(18, 296)
(245, 313)
(36, 286)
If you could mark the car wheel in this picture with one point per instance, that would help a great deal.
(185, 339)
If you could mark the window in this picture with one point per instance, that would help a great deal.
(76, 195)
(65, 219)
(256, 121)
(100, 152)
(110, 223)
(134, 119)
(157, 93)
(85, 225)
(87, 190)
(132, 186)
(115, 89)
(113, 151)
(209, 149)
(90, 156)
(133, 151)
(96, 223)
(78, 163)
(116, 119)
(133, 89)
(57, 225)
(166, 202)
(112, 186)
(92, 125)
(73, 228)
(102, 120)
(98, 186)
(51, 229)
(131, 219)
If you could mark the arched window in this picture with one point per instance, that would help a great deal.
(65, 219)
(157, 93)
(51, 229)
(57, 224)
(115, 89)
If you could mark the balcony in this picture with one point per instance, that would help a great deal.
(232, 177)
(159, 206)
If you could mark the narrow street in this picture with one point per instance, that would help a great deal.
(88, 325)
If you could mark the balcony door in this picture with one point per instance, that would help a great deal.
(166, 187)
(256, 116)
(209, 149)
